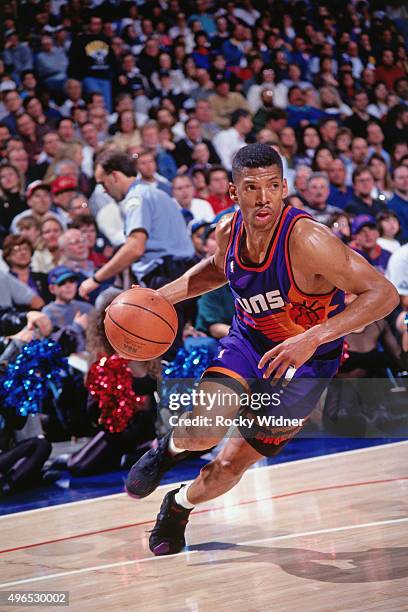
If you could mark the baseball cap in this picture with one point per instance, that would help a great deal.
(197, 225)
(36, 185)
(362, 221)
(7, 86)
(209, 230)
(60, 274)
(63, 183)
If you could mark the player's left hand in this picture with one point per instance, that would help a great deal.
(292, 353)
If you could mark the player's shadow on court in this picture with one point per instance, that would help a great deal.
(371, 565)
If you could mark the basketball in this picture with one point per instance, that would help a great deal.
(140, 324)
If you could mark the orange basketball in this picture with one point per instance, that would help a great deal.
(140, 324)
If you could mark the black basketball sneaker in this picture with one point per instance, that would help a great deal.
(144, 477)
(167, 536)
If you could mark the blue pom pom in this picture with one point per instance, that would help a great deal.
(39, 368)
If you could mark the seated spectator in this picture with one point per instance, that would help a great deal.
(365, 236)
(63, 189)
(51, 64)
(18, 157)
(147, 172)
(224, 102)
(203, 112)
(34, 108)
(15, 294)
(200, 157)
(341, 227)
(299, 111)
(382, 179)
(73, 91)
(302, 176)
(340, 194)
(399, 203)
(152, 141)
(318, 194)
(65, 310)
(51, 147)
(379, 108)
(47, 254)
(67, 164)
(17, 56)
(199, 178)
(29, 84)
(396, 126)
(17, 252)
(127, 133)
(14, 106)
(197, 237)
(100, 250)
(332, 104)
(363, 203)
(288, 145)
(266, 106)
(229, 141)
(30, 134)
(75, 252)
(328, 127)
(323, 159)
(12, 200)
(183, 193)
(388, 227)
(218, 187)
(309, 141)
(184, 147)
(216, 308)
(39, 204)
(29, 228)
(375, 140)
(360, 118)
(78, 205)
(388, 71)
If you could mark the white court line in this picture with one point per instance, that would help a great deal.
(289, 536)
(261, 467)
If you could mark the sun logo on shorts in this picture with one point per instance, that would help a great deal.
(307, 315)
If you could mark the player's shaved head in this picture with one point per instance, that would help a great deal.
(255, 155)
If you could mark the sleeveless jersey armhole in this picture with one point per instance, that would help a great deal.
(230, 239)
(289, 264)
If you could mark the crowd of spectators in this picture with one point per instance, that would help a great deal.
(180, 86)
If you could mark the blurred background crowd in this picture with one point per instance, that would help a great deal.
(181, 86)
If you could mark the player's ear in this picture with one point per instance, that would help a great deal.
(233, 192)
(285, 188)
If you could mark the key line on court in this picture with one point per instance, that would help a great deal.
(288, 536)
(212, 509)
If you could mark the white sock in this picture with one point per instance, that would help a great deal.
(181, 498)
(173, 449)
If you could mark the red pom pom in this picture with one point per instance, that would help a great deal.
(110, 380)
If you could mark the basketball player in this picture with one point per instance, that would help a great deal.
(288, 275)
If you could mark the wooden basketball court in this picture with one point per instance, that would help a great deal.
(327, 533)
